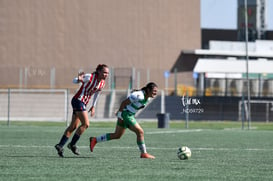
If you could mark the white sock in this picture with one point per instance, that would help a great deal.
(101, 138)
(142, 148)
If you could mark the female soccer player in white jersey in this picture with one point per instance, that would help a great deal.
(92, 84)
(126, 118)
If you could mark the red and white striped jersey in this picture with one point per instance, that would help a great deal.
(90, 85)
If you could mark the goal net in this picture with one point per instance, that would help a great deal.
(34, 104)
(261, 110)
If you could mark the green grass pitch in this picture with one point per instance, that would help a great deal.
(27, 153)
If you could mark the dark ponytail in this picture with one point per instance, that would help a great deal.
(150, 86)
(100, 67)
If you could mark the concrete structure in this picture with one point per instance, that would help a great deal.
(222, 68)
(44, 43)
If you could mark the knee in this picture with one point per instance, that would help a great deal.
(86, 125)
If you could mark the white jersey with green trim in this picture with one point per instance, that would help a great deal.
(138, 101)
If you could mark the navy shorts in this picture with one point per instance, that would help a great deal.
(77, 105)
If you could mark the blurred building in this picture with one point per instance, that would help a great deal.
(221, 48)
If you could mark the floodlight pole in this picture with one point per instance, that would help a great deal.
(247, 71)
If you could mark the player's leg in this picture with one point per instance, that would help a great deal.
(75, 121)
(83, 117)
(119, 131)
(69, 130)
(140, 140)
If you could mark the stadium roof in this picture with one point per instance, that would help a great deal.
(265, 54)
(205, 65)
(187, 59)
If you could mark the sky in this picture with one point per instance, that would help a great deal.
(222, 14)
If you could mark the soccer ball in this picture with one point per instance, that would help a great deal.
(183, 153)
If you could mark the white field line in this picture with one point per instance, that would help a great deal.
(150, 148)
(174, 131)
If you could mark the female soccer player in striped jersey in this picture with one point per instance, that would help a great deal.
(126, 118)
(92, 84)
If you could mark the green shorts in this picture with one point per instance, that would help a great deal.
(128, 119)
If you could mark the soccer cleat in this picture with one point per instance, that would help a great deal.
(93, 142)
(73, 148)
(146, 155)
(60, 150)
